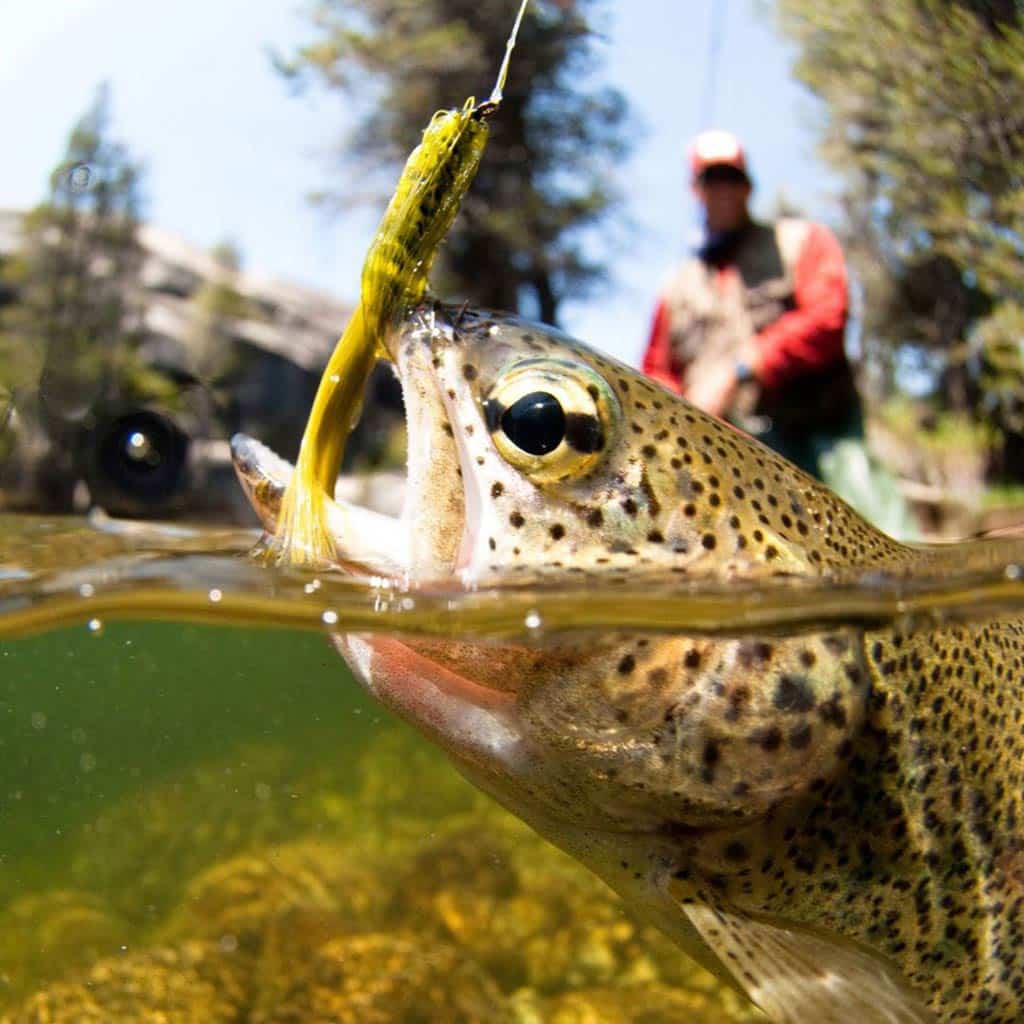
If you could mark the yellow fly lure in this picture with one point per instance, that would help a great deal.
(436, 177)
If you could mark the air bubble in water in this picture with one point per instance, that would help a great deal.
(329, 617)
(86, 590)
(215, 594)
(532, 620)
(1014, 572)
(79, 177)
(95, 626)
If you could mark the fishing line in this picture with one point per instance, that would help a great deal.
(510, 45)
(716, 41)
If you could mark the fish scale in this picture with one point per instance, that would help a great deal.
(830, 822)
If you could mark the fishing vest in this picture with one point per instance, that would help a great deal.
(711, 314)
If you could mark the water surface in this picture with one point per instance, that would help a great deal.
(204, 821)
(204, 817)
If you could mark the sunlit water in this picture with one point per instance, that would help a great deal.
(204, 818)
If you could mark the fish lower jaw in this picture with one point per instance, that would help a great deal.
(367, 543)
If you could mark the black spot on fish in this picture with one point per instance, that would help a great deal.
(583, 432)
(768, 739)
(832, 713)
(653, 505)
(800, 737)
(754, 653)
(658, 676)
(793, 694)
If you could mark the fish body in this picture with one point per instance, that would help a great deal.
(830, 822)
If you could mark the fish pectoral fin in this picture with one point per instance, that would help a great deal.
(798, 976)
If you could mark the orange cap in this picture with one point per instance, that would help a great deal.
(716, 148)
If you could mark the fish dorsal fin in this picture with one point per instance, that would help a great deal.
(798, 976)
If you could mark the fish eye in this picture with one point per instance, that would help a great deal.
(551, 419)
(535, 423)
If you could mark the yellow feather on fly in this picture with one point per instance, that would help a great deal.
(437, 175)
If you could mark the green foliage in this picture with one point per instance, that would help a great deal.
(936, 431)
(546, 176)
(925, 105)
(998, 347)
(1009, 496)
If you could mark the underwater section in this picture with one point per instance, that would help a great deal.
(214, 824)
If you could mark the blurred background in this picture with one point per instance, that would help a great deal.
(188, 191)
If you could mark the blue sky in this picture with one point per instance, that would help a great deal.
(232, 153)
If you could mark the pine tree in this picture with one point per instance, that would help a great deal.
(925, 120)
(68, 335)
(546, 177)
(75, 310)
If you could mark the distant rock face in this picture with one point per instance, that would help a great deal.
(296, 323)
(246, 351)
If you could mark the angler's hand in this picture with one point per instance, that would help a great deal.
(714, 390)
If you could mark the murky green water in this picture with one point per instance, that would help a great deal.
(211, 822)
(204, 819)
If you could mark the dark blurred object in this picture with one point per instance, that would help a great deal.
(996, 363)
(138, 458)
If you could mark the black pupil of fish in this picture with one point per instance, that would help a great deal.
(535, 423)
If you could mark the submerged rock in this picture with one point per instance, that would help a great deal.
(42, 934)
(386, 979)
(290, 890)
(241, 897)
(196, 983)
(634, 1004)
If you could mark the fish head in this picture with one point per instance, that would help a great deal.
(534, 458)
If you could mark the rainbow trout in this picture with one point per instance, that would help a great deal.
(829, 822)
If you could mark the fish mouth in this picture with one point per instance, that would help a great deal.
(426, 541)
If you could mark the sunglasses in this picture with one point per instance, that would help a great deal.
(722, 174)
